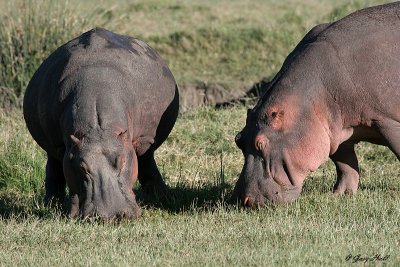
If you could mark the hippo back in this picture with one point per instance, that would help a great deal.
(125, 76)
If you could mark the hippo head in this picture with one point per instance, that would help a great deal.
(283, 141)
(100, 173)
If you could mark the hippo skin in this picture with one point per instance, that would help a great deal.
(100, 106)
(339, 86)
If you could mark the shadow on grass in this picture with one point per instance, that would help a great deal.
(381, 187)
(184, 198)
(21, 206)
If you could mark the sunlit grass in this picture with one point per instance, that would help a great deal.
(199, 225)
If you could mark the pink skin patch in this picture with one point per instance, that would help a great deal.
(128, 147)
(134, 171)
(310, 151)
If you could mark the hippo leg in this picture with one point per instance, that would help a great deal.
(346, 163)
(55, 182)
(149, 175)
(390, 130)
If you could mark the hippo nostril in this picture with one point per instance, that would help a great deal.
(245, 201)
(248, 201)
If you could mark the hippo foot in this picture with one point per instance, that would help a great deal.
(347, 169)
(151, 180)
(55, 184)
(346, 185)
(55, 202)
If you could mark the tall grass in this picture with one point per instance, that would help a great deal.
(29, 32)
(229, 43)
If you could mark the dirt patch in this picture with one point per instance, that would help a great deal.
(218, 96)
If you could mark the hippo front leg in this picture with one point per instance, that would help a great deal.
(149, 175)
(348, 173)
(55, 182)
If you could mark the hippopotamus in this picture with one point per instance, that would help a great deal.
(100, 105)
(339, 86)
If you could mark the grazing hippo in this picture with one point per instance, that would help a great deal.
(100, 106)
(340, 86)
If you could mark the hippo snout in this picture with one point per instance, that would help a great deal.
(253, 202)
(125, 211)
(247, 196)
(104, 198)
(263, 192)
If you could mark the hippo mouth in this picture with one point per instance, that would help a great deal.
(263, 182)
(104, 198)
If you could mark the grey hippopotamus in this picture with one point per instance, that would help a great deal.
(339, 86)
(100, 105)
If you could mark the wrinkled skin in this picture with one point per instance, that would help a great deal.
(338, 87)
(100, 106)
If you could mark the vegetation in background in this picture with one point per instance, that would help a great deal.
(229, 43)
(29, 32)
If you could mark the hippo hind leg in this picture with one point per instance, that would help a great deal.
(390, 130)
(55, 182)
(348, 174)
(149, 175)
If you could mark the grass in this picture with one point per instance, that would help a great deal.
(200, 227)
(229, 43)
(29, 30)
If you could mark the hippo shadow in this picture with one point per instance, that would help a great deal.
(9, 207)
(178, 199)
(183, 198)
(20, 207)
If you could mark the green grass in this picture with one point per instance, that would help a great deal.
(200, 227)
(228, 43)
